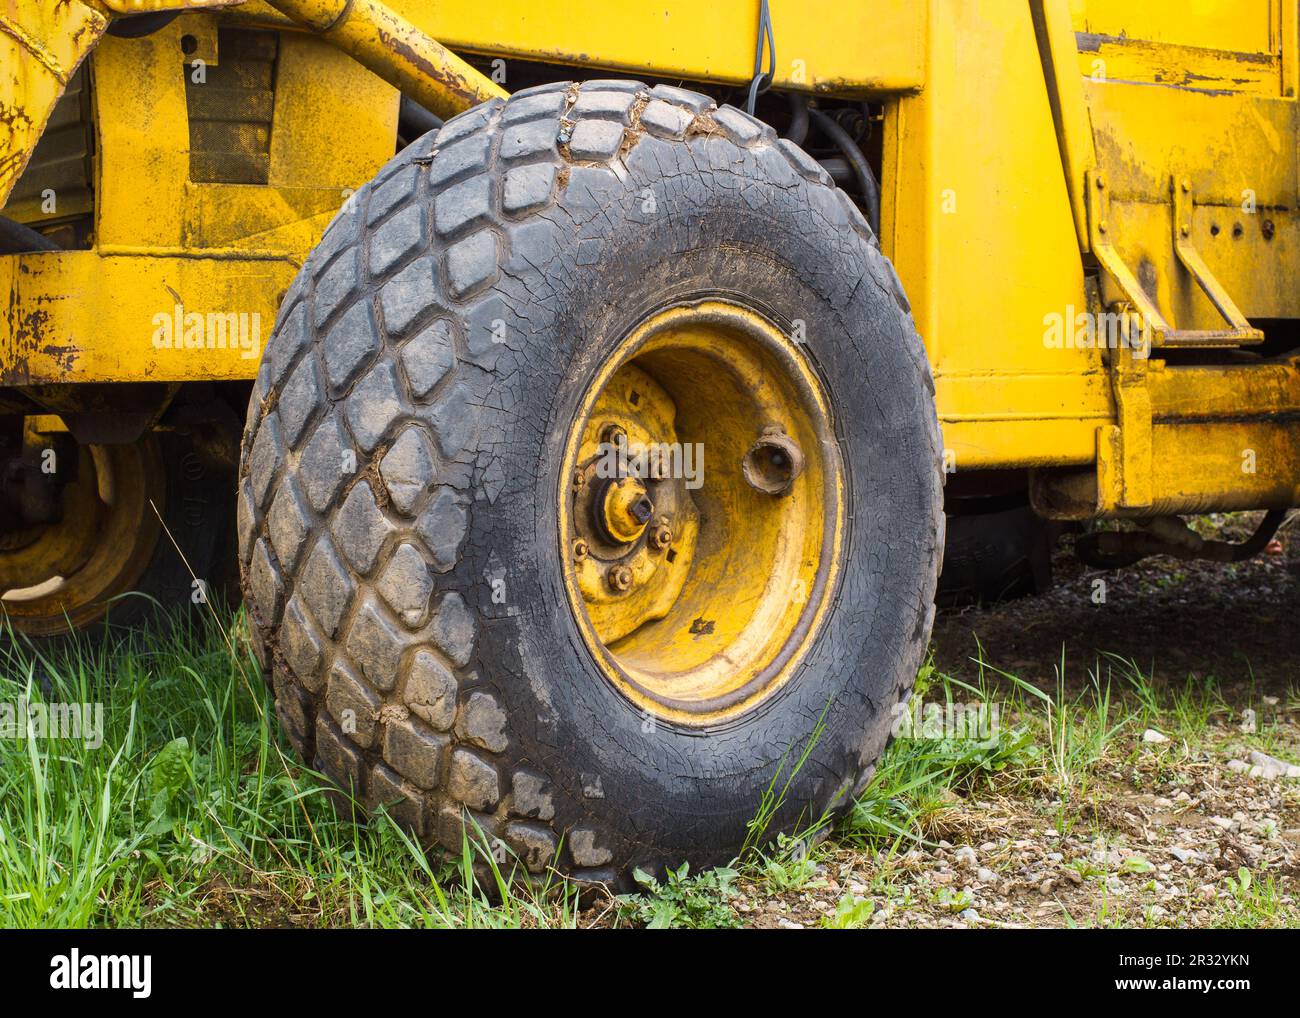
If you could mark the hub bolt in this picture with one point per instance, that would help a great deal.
(623, 509)
(661, 537)
(620, 578)
(641, 510)
(580, 549)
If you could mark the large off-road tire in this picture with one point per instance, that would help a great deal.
(407, 498)
(991, 557)
(155, 539)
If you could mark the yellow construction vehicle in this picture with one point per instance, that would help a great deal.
(591, 474)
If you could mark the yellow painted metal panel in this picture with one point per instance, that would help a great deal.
(980, 225)
(164, 241)
(1245, 26)
(1209, 45)
(1059, 54)
(846, 47)
(143, 160)
(314, 165)
(974, 445)
(1210, 71)
(1239, 154)
(1198, 467)
(41, 46)
(79, 316)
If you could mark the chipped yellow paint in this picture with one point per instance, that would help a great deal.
(397, 50)
(208, 249)
(41, 47)
(156, 6)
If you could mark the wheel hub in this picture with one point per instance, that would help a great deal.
(624, 509)
(58, 576)
(626, 503)
(697, 590)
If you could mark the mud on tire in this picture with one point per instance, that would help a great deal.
(396, 522)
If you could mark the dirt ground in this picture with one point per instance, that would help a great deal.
(1174, 833)
(1238, 624)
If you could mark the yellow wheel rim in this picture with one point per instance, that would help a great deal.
(701, 513)
(60, 576)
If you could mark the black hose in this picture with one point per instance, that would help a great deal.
(15, 238)
(414, 121)
(762, 79)
(861, 168)
(797, 132)
(1116, 549)
(839, 169)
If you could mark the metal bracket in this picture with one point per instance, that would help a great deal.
(1124, 448)
(1124, 456)
(1239, 331)
(1100, 239)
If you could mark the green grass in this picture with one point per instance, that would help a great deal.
(915, 780)
(194, 812)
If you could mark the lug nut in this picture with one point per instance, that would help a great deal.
(661, 537)
(580, 549)
(620, 578)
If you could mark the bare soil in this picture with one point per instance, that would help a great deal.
(1238, 624)
(1158, 834)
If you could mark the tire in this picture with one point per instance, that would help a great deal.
(383, 360)
(193, 467)
(996, 556)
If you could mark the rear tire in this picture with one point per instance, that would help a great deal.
(996, 556)
(189, 473)
(400, 540)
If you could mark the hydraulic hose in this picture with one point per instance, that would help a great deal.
(1115, 549)
(861, 168)
(797, 132)
(414, 121)
(15, 238)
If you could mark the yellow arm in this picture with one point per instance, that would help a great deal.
(396, 50)
(42, 45)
